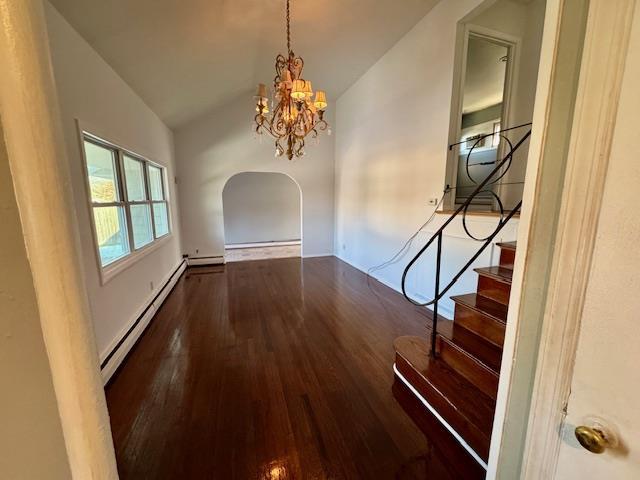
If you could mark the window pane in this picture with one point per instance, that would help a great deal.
(161, 219)
(141, 225)
(134, 177)
(111, 230)
(155, 183)
(102, 173)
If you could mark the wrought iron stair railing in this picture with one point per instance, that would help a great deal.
(492, 178)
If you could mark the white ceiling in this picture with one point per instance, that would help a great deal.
(185, 57)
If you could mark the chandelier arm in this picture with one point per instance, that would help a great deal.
(267, 125)
(278, 123)
(298, 124)
(281, 65)
(299, 151)
(266, 129)
(321, 125)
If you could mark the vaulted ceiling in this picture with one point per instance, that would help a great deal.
(185, 57)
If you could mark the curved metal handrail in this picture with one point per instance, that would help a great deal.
(437, 236)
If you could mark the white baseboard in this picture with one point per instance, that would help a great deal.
(115, 353)
(316, 255)
(262, 244)
(444, 423)
(200, 261)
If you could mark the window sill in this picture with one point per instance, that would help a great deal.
(113, 269)
(478, 213)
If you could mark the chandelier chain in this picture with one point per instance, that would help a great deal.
(288, 28)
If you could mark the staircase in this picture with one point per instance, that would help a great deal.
(460, 381)
(447, 383)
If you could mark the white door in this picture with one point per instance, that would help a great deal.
(606, 377)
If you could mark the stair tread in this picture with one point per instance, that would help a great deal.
(476, 346)
(501, 274)
(484, 305)
(467, 402)
(507, 245)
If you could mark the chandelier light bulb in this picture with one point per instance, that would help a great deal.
(264, 103)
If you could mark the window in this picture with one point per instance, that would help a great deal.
(158, 202)
(128, 200)
(495, 140)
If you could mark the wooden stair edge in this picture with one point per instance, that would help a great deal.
(496, 306)
(507, 245)
(500, 274)
(468, 365)
(462, 405)
(483, 351)
(457, 457)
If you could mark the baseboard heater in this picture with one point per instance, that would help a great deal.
(121, 349)
(200, 261)
(273, 243)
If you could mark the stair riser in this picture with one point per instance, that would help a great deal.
(468, 366)
(488, 328)
(472, 435)
(453, 453)
(507, 258)
(494, 289)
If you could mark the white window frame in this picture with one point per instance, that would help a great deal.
(107, 272)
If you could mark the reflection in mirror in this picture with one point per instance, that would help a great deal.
(486, 68)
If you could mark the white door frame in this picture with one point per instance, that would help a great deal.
(603, 59)
(604, 55)
(38, 163)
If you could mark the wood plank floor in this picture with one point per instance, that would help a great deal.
(274, 369)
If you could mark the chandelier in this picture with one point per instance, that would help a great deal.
(295, 113)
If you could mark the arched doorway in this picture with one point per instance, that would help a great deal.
(262, 216)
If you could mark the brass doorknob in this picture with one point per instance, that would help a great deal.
(592, 438)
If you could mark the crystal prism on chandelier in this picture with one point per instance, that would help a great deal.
(295, 113)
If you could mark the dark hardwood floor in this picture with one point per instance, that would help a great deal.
(275, 369)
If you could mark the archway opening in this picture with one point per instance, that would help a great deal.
(262, 216)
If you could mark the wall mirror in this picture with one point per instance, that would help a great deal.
(483, 99)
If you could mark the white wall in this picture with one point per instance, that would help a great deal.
(90, 91)
(391, 145)
(219, 145)
(261, 207)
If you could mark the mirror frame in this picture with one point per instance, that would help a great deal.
(466, 30)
